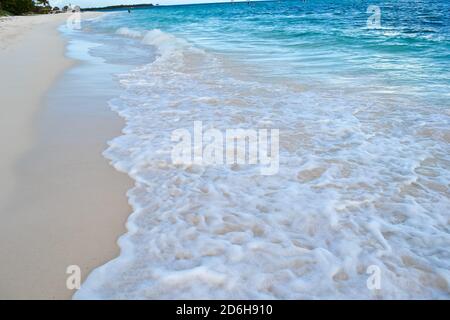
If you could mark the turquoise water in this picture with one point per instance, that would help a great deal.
(315, 40)
(364, 156)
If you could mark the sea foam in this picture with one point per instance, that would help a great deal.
(361, 183)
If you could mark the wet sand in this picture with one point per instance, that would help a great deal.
(61, 203)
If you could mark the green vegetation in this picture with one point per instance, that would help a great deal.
(21, 7)
(4, 13)
(120, 7)
(17, 7)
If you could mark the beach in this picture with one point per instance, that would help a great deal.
(58, 192)
(272, 150)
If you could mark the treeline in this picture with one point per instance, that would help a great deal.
(120, 7)
(20, 7)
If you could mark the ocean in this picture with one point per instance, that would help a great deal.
(359, 206)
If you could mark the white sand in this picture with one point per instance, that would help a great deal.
(60, 201)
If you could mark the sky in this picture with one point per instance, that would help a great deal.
(103, 3)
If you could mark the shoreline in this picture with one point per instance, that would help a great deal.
(58, 192)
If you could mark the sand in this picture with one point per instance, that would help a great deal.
(61, 203)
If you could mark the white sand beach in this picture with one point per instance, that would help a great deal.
(57, 191)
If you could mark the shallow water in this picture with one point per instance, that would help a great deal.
(363, 176)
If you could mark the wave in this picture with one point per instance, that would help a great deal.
(360, 185)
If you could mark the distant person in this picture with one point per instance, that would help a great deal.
(129, 11)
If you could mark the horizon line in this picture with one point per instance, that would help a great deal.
(179, 4)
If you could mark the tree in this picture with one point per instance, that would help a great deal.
(18, 7)
(43, 3)
(42, 6)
